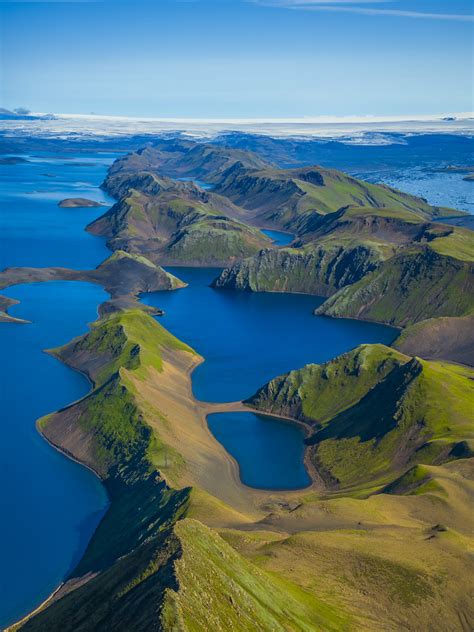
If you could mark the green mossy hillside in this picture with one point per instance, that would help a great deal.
(318, 269)
(318, 392)
(292, 199)
(188, 578)
(176, 227)
(417, 284)
(129, 339)
(376, 413)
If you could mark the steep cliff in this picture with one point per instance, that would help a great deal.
(417, 284)
(314, 269)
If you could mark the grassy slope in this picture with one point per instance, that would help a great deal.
(421, 282)
(444, 338)
(175, 228)
(309, 565)
(394, 412)
(153, 570)
(288, 198)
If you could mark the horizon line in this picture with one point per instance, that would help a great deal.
(323, 118)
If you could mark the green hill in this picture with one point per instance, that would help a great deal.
(374, 413)
(179, 158)
(292, 199)
(342, 248)
(177, 226)
(418, 283)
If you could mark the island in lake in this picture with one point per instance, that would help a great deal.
(78, 203)
(367, 524)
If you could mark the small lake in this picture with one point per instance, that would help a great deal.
(271, 454)
(279, 238)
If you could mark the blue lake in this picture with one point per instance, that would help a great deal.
(50, 505)
(279, 238)
(34, 230)
(248, 338)
(269, 451)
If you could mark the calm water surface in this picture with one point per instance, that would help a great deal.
(279, 238)
(248, 338)
(34, 230)
(50, 505)
(263, 462)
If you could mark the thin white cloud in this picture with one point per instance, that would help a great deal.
(335, 6)
(309, 4)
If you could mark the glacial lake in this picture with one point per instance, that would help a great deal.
(279, 238)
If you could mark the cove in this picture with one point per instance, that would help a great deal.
(50, 504)
(268, 450)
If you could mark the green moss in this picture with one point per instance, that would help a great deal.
(418, 283)
(319, 392)
(376, 412)
(458, 244)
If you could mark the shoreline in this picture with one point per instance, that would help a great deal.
(256, 496)
(12, 627)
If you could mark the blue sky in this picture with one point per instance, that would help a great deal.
(237, 58)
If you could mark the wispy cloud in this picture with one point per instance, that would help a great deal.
(353, 6)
